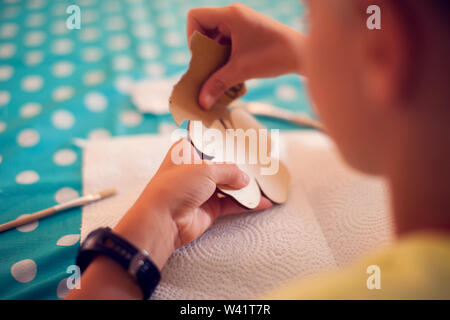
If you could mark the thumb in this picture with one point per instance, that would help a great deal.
(216, 85)
(227, 175)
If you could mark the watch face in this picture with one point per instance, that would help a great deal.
(92, 238)
(89, 242)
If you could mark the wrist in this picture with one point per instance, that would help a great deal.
(296, 46)
(151, 229)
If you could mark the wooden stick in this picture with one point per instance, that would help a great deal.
(57, 208)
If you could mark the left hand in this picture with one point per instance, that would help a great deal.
(176, 207)
(180, 203)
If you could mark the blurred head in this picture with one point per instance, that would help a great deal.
(375, 90)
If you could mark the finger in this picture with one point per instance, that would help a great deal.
(206, 21)
(217, 84)
(181, 152)
(226, 174)
(230, 206)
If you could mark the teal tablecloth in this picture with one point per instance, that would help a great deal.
(58, 84)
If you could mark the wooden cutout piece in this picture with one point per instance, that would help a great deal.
(202, 142)
(276, 186)
(242, 119)
(207, 57)
(250, 195)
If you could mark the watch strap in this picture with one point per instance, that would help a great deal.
(136, 262)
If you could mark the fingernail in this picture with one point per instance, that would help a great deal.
(208, 101)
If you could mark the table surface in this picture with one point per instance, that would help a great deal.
(58, 84)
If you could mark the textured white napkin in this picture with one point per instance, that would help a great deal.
(332, 217)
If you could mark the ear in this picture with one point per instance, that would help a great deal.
(388, 55)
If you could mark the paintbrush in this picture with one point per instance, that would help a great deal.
(81, 201)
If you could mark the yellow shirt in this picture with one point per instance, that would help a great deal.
(414, 267)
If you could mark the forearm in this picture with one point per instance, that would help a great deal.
(106, 279)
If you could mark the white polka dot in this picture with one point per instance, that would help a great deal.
(1, 158)
(180, 58)
(99, 134)
(166, 20)
(124, 84)
(6, 72)
(62, 46)
(89, 34)
(95, 101)
(63, 119)
(111, 7)
(59, 27)
(28, 138)
(30, 110)
(94, 78)
(35, 20)
(253, 83)
(115, 23)
(119, 42)
(7, 50)
(59, 9)
(63, 69)
(148, 51)
(2, 126)
(89, 16)
(131, 118)
(64, 157)
(137, 14)
(286, 92)
(68, 240)
(27, 177)
(11, 1)
(32, 83)
(33, 58)
(154, 69)
(10, 12)
(173, 39)
(167, 128)
(8, 30)
(62, 93)
(92, 54)
(34, 38)
(123, 63)
(62, 289)
(87, 3)
(143, 30)
(5, 97)
(65, 194)
(24, 271)
(29, 226)
(36, 4)
(159, 5)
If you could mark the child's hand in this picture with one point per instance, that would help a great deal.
(180, 203)
(261, 47)
(176, 207)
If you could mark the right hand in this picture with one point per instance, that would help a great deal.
(260, 47)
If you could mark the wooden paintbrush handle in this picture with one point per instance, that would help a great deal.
(27, 219)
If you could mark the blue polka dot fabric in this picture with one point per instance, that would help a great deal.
(59, 84)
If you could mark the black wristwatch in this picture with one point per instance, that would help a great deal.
(137, 262)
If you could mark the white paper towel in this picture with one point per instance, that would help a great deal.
(333, 215)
